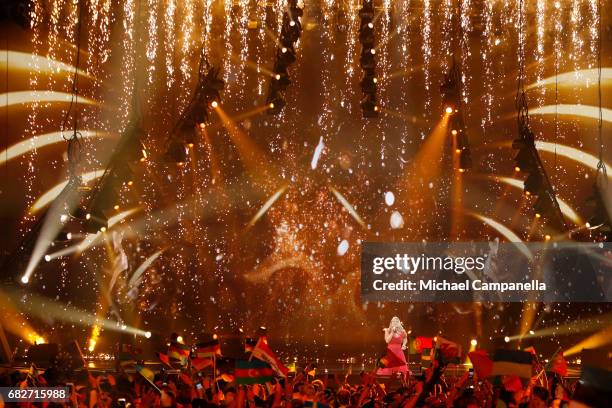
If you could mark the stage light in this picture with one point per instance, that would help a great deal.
(87, 216)
(271, 105)
(129, 183)
(116, 207)
(284, 50)
(507, 339)
(215, 337)
(370, 25)
(457, 150)
(102, 229)
(147, 334)
(473, 342)
(517, 168)
(461, 170)
(538, 215)
(373, 51)
(47, 258)
(39, 340)
(277, 76)
(547, 237)
(214, 104)
(63, 236)
(292, 23)
(179, 339)
(531, 332)
(63, 218)
(454, 132)
(449, 109)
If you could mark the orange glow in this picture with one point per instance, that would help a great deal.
(599, 339)
(457, 194)
(253, 157)
(449, 110)
(419, 175)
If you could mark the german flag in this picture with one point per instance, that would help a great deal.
(208, 349)
(164, 359)
(253, 372)
(383, 361)
(512, 362)
(200, 363)
(179, 352)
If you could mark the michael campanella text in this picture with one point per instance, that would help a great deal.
(444, 285)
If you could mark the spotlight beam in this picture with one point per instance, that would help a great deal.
(135, 279)
(571, 153)
(54, 192)
(505, 232)
(27, 97)
(45, 308)
(24, 61)
(575, 78)
(267, 205)
(581, 326)
(584, 111)
(348, 207)
(599, 339)
(47, 139)
(565, 207)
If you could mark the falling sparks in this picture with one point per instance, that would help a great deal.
(204, 207)
(427, 51)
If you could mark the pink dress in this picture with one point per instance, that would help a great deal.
(395, 358)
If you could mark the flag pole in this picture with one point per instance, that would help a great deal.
(215, 372)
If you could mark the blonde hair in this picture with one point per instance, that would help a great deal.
(396, 322)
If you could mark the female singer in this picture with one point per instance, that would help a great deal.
(396, 338)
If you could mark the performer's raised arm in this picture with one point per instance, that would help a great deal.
(388, 334)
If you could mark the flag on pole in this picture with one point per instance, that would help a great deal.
(253, 372)
(208, 349)
(482, 363)
(186, 379)
(226, 377)
(422, 345)
(200, 363)
(179, 351)
(512, 362)
(264, 353)
(448, 351)
(147, 374)
(383, 362)
(249, 345)
(164, 359)
(558, 365)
